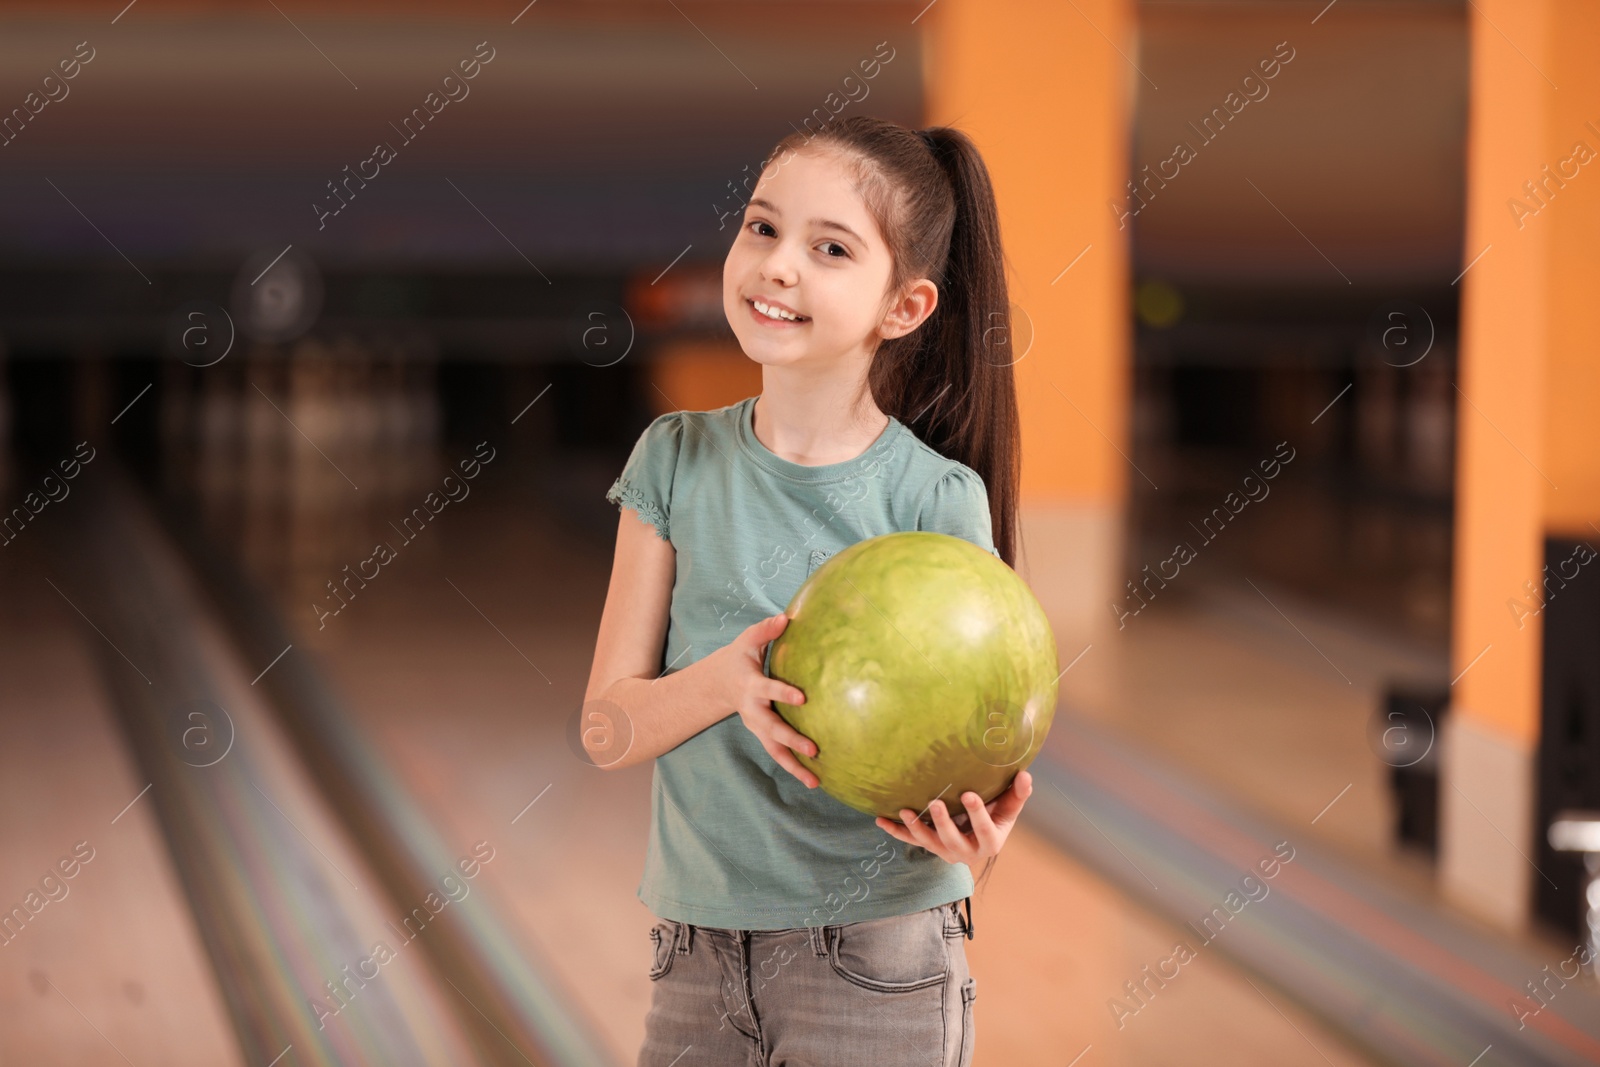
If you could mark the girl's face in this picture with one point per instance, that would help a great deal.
(807, 277)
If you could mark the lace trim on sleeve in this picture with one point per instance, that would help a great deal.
(625, 495)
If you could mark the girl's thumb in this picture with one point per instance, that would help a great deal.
(757, 634)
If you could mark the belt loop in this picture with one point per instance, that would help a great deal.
(967, 926)
(685, 938)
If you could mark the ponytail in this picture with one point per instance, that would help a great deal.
(950, 380)
(976, 419)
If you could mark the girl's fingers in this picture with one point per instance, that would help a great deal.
(917, 830)
(786, 760)
(953, 839)
(781, 733)
(758, 634)
(983, 827)
(777, 737)
(1008, 805)
(965, 836)
(783, 692)
(786, 735)
(777, 731)
(797, 741)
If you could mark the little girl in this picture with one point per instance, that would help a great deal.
(868, 281)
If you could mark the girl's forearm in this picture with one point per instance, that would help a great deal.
(656, 715)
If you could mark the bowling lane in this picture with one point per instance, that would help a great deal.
(1055, 946)
(110, 968)
(1214, 680)
(467, 658)
(465, 668)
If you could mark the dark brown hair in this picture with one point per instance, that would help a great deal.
(949, 380)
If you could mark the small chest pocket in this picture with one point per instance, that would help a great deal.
(819, 556)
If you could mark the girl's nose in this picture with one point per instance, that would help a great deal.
(779, 266)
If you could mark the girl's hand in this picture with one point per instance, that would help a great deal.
(737, 675)
(991, 824)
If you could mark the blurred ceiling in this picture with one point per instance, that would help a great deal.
(604, 135)
(1347, 167)
(597, 134)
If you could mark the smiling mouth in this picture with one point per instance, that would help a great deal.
(773, 314)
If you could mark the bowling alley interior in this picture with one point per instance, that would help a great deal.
(325, 329)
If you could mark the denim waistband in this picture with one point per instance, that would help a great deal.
(687, 930)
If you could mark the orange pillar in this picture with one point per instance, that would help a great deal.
(1528, 459)
(1045, 94)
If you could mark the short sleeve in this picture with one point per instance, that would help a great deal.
(958, 504)
(645, 484)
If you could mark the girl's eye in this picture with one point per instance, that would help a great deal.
(830, 246)
(760, 227)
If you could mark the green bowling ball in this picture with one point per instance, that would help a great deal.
(929, 669)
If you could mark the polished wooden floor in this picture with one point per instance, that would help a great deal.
(466, 659)
(114, 971)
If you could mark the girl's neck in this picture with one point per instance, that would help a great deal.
(816, 424)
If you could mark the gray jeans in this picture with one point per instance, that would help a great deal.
(891, 992)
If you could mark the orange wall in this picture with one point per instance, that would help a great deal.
(698, 375)
(1572, 394)
(1048, 101)
(1528, 460)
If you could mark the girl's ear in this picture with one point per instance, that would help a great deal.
(916, 303)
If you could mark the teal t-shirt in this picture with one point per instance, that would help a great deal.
(736, 841)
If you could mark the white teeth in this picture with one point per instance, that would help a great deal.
(774, 313)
